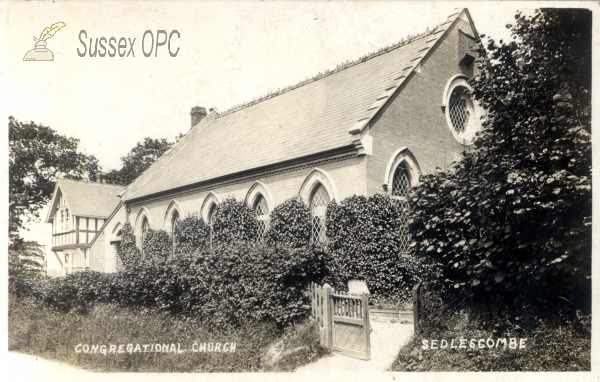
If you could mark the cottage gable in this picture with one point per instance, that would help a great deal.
(77, 212)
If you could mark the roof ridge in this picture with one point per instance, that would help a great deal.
(164, 158)
(340, 67)
(89, 182)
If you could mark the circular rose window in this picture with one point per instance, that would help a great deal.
(462, 115)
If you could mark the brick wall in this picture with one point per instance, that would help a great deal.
(97, 254)
(347, 173)
(413, 118)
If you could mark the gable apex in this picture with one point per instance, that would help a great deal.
(434, 37)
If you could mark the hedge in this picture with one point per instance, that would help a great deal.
(234, 221)
(290, 224)
(130, 253)
(191, 234)
(364, 240)
(226, 286)
(157, 245)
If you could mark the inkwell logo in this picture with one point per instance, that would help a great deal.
(40, 52)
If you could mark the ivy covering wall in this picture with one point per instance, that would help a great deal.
(365, 237)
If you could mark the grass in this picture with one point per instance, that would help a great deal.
(38, 329)
(552, 346)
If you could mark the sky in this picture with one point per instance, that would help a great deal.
(229, 53)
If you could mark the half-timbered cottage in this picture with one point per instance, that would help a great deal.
(77, 212)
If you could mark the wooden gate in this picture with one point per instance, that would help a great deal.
(343, 321)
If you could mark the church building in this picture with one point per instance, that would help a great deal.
(371, 126)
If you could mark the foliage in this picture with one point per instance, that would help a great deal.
(234, 221)
(26, 259)
(289, 224)
(157, 245)
(130, 253)
(365, 236)
(41, 330)
(38, 155)
(138, 160)
(299, 345)
(192, 234)
(512, 219)
(557, 337)
(226, 286)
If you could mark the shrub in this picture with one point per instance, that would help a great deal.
(555, 341)
(289, 224)
(157, 245)
(234, 221)
(192, 234)
(225, 287)
(513, 217)
(130, 253)
(365, 237)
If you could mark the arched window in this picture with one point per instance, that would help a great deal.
(262, 214)
(400, 188)
(318, 206)
(402, 174)
(174, 220)
(210, 220)
(401, 183)
(145, 228)
(118, 252)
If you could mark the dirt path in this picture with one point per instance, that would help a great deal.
(25, 367)
(386, 340)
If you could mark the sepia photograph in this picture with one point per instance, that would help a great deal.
(298, 190)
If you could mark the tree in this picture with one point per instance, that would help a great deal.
(26, 259)
(512, 219)
(138, 160)
(38, 155)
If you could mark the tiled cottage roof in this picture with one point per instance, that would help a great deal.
(87, 198)
(315, 117)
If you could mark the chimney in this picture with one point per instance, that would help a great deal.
(197, 114)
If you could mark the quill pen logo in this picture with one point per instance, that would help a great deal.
(40, 52)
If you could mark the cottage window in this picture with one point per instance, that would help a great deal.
(262, 214)
(318, 206)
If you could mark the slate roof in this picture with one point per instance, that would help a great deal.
(315, 117)
(86, 198)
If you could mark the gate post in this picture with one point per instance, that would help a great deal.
(366, 323)
(328, 316)
(416, 307)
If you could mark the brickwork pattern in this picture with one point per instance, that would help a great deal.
(414, 118)
(348, 176)
(97, 255)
